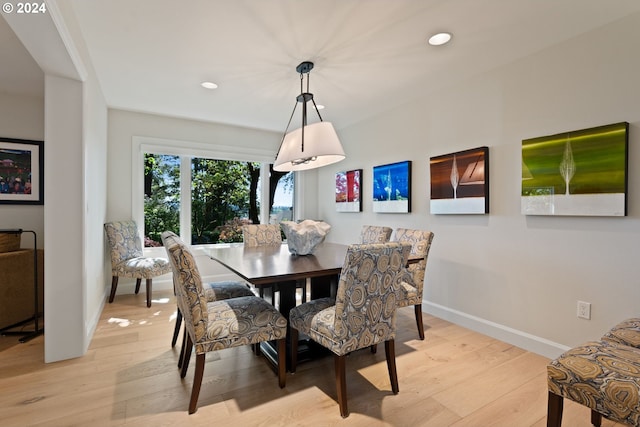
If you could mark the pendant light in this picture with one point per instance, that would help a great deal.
(312, 145)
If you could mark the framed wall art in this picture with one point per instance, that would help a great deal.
(392, 187)
(348, 185)
(578, 173)
(21, 171)
(460, 182)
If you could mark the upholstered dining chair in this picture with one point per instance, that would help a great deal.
(375, 234)
(219, 325)
(254, 235)
(261, 234)
(412, 285)
(362, 314)
(214, 291)
(127, 259)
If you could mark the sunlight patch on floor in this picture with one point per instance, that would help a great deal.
(120, 322)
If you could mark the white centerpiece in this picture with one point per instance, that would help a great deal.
(303, 237)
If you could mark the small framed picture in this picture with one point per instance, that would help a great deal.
(348, 185)
(460, 182)
(392, 188)
(21, 172)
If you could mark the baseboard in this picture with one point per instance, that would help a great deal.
(509, 335)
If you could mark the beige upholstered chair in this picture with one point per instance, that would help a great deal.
(626, 332)
(411, 288)
(218, 325)
(254, 235)
(362, 315)
(127, 259)
(375, 234)
(214, 291)
(261, 234)
(602, 375)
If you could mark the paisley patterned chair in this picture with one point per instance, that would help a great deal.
(602, 375)
(218, 325)
(626, 332)
(363, 313)
(261, 234)
(375, 234)
(127, 260)
(411, 288)
(214, 291)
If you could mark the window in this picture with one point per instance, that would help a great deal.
(282, 203)
(224, 196)
(161, 197)
(209, 199)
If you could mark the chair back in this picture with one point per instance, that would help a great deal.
(365, 310)
(124, 241)
(375, 234)
(420, 245)
(188, 286)
(261, 234)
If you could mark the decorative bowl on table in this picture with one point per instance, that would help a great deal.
(303, 237)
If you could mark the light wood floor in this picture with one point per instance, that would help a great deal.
(129, 377)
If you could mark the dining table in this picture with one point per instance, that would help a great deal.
(275, 267)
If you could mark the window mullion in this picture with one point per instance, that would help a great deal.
(264, 193)
(185, 199)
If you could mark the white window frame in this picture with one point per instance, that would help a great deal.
(186, 150)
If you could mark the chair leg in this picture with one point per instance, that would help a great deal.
(197, 382)
(390, 351)
(341, 384)
(149, 292)
(256, 349)
(293, 335)
(114, 286)
(138, 286)
(418, 310)
(187, 355)
(282, 362)
(554, 410)
(596, 418)
(176, 330)
(182, 347)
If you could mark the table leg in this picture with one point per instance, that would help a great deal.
(325, 286)
(287, 297)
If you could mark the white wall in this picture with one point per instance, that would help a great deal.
(512, 276)
(64, 292)
(94, 203)
(22, 117)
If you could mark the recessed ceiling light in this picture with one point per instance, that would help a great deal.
(320, 106)
(208, 85)
(439, 39)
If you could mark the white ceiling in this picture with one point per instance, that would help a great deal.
(369, 55)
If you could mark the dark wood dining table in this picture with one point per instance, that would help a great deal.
(273, 265)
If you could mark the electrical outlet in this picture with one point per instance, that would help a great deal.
(584, 310)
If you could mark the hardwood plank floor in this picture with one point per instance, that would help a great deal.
(455, 377)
